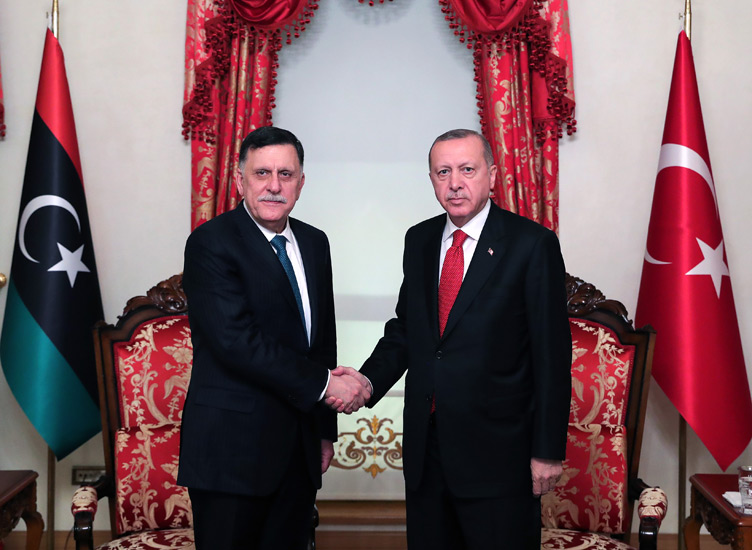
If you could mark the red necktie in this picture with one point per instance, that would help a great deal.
(451, 278)
(449, 284)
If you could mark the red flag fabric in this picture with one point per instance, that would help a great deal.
(685, 292)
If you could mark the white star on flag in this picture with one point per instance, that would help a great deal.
(712, 264)
(70, 263)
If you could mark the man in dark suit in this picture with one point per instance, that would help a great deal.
(482, 331)
(256, 436)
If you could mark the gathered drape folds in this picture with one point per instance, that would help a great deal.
(230, 74)
(523, 69)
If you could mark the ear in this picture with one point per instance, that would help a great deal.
(239, 182)
(300, 185)
(492, 176)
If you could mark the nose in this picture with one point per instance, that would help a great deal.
(455, 181)
(274, 186)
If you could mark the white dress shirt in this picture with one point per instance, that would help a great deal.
(293, 252)
(472, 229)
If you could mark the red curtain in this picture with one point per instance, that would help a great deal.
(523, 69)
(230, 73)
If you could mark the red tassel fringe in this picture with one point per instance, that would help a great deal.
(532, 29)
(221, 32)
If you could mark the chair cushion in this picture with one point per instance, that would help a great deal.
(153, 540)
(153, 371)
(556, 539)
(601, 371)
(591, 494)
(147, 497)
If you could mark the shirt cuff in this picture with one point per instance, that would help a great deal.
(326, 387)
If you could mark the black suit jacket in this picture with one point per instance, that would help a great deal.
(501, 371)
(255, 381)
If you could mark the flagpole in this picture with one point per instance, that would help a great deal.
(51, 462)
(51, 459)
(55, 19)
(682, 421)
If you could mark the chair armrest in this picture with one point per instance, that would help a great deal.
(651, 509)
(84, 507)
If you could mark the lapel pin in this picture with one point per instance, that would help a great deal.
(490, 251)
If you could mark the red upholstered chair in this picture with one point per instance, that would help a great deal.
(592, 505)
(143, 367)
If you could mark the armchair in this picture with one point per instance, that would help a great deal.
(592, 505)
(143, 370)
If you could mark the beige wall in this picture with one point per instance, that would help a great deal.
(354, 76)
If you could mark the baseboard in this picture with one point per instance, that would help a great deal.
(354, 538)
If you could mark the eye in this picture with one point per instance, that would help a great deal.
(468, 169)
(262, 172)
(443, 172)
(285, 174)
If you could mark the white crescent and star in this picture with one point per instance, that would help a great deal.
(712, 264)
(70, 261)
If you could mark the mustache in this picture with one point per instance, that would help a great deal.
(456, 195)
(271, 197)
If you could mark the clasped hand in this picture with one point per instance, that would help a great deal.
(348, 390)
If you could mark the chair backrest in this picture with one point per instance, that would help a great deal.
(143, 368)
(611, 364)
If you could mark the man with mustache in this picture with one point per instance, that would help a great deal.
(256, 435)
(481, 328)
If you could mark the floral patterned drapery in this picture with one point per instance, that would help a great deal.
(523, 68)
(230, 73)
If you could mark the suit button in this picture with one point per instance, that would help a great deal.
(439, 354)
(429, 397)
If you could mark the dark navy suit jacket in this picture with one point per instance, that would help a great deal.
(501, 371)
(255, 382)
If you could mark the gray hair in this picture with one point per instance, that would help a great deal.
(461, 133)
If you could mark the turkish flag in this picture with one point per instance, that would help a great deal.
(685, 292)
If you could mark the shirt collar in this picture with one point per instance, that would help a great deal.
(286, 232)
(472, 229)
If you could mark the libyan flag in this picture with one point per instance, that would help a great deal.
(46, 347)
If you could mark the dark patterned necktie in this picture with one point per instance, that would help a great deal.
(279, 243)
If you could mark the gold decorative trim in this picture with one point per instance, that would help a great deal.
(374, 443)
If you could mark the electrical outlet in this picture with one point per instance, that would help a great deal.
(86, 474)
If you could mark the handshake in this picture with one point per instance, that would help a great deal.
(348, 390)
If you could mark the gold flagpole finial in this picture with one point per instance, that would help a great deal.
(688, 18)
(55, 21)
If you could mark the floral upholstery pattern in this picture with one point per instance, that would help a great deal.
(153, 370)
(601, 370)
(556, 539)
(169, 539)
(147, 496)
(592, 493)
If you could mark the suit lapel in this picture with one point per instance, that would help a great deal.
(309, 257)
(259, 248)
(431, 252)
(488, 253)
